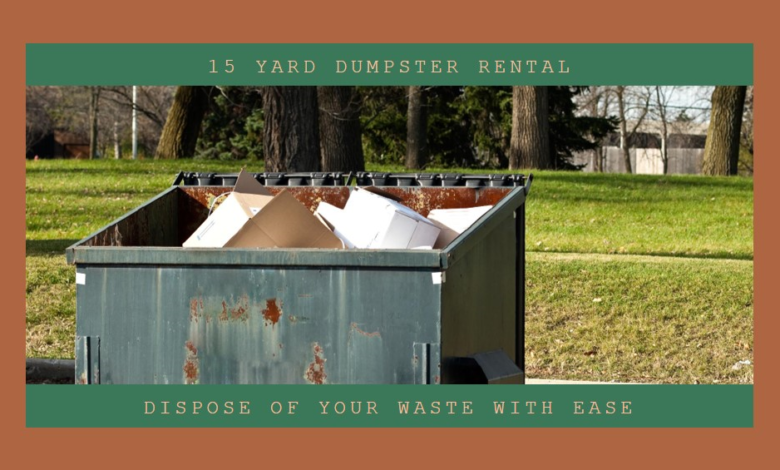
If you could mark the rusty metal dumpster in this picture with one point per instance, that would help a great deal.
(152, 312)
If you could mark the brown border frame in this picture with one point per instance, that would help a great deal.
(401, 21)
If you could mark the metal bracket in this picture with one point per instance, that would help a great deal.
(426, 363)
(87, 359)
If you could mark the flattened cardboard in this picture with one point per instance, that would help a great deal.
(252, 218)
(246, 184)
(284, 223)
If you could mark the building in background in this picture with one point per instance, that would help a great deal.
(684, 142)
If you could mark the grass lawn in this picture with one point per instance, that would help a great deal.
(630, 277)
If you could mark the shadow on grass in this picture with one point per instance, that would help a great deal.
(90, 171)
(720, 255)
(47, 247)
(94, 192)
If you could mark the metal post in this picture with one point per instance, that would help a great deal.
(135, 124)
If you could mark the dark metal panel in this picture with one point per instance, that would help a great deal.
(499, 368)
(519, 287)
(478, 296)
(480, 231)
(212, 324)
(492, 367)
(155, 223)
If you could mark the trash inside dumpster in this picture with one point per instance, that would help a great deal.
(150, 311)
(251, 217)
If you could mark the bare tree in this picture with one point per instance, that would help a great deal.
(629, 102)
(40, 101)
(94, 109)
(721, 151)
(596, 102)
(101, 114)
(153, 103)
(530, 142)
(662, 98)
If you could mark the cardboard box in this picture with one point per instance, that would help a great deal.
(333, 217)
(453, 222)
(371, 220)
(250, 217)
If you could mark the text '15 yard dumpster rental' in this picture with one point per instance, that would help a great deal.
(150, 311)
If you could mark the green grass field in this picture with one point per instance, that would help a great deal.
(630, 277)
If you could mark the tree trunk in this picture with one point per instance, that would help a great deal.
(665, 151)
(291, 137)
(180, 133)
(530, 143)
(721, 150)
(340, 138)
(624, 147)
(594, 112)
(660, 102)
(416, 129)
(94, 107)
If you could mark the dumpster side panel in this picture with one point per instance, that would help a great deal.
(479, 300)
(152, 224)
(257, 324)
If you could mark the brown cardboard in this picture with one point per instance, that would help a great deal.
(251, 217)
(248, 185)
(284, 223)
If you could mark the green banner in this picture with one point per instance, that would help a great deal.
(389, 64)
(464, 406)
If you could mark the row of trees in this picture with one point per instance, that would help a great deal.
(339, 128)
(330, 128)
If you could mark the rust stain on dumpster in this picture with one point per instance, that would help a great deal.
(315, 373)
(272, 312)
(191, 372)
(374, 334)
(223, 315)
(309, 196)
(241, 310)
(422, 200)
(196, 308)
